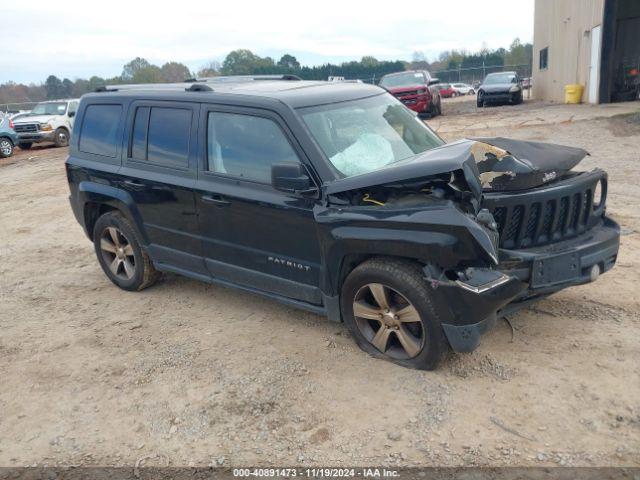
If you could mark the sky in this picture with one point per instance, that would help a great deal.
(86, 38)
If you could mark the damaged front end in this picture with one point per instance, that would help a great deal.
(495, 222)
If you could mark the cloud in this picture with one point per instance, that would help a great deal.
(98, 38)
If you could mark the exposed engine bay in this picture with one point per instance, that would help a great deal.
(485, 165)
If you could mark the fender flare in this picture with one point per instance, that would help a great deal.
(91, 192)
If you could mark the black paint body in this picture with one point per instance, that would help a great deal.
(299, 247)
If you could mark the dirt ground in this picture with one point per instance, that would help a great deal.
(191, 374)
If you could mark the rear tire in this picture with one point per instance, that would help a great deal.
(6, 147)
(436, 106)
(407, 330)
(120, 253)
(25, 146)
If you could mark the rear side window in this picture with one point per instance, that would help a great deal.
(161, 135)
(246, 146)
(99, 130)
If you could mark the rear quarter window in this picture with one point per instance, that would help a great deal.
(98, 134)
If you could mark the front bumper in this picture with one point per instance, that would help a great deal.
(499, 97)
(36, 137)
(418, 103)
(527, 275)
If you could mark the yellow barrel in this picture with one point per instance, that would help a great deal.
(573, 93)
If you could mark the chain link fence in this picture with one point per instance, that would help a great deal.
(472, 75)
(468, 75)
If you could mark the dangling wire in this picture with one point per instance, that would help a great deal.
(371, 200)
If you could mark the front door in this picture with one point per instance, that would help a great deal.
(252, 234)
(159, 172)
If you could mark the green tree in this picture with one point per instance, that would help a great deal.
(53, 86)
(134, 66)
(245, 62)
(95, 82)
(369, 62)
(288, 62)
(150, 74)
(80, 87)
(518, 53)
(175, 72)
(67, 87)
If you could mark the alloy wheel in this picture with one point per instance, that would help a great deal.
(62, 138)
(5, 148)
(117, 253)
(388, 321)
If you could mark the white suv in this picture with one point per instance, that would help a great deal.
(463, 89)
(50, 121)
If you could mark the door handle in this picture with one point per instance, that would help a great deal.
(217, 200)
(133, 184)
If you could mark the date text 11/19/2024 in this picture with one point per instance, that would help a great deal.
(316, 472)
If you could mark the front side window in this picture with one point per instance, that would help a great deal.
(362, 136)
(246, 146)
(99, 130)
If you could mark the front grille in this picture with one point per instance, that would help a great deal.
(547, 214)
(26, 127)
(406, 94)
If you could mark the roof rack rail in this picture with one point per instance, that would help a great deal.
(244, 78)
(195, 87)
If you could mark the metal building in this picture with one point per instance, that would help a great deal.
(594, 43)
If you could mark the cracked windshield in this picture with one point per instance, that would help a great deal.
(365, 135)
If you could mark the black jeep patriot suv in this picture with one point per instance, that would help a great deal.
(335, 198)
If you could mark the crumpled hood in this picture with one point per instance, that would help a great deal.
(489, 164)
(34, 119)
(519, 165)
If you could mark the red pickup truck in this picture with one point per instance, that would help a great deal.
(415, 89)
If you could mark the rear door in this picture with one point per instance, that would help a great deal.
(159, 171)
(252, 234)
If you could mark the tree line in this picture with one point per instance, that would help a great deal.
(246, 62)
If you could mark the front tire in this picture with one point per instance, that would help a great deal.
(61, 138)
(120, 253)
(388, 308)
(480, 100)
(25, 145)
(518, 99)
(6, 148)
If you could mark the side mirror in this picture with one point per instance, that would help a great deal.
(291, 177)
(72, 114)
(433, 81)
